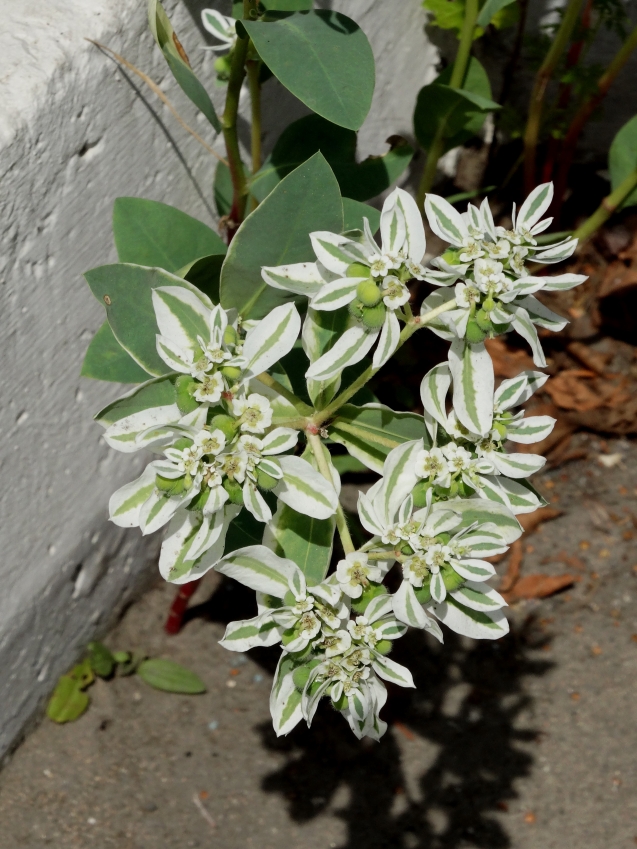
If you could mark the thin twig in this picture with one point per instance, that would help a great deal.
(160, 94)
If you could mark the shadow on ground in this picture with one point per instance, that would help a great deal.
(468, 706)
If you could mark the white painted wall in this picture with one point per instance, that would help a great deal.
(75, 133)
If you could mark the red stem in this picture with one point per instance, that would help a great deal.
(179, 606)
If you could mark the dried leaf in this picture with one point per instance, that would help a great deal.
(507, 361)
(539, 586)
(512, 574)
(530, 521)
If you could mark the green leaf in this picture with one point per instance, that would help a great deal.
(622, 158)
(159, 392)
(310, 134)
(287, 5)
(463, 111)
(323, 58)
(308, 199)
(178, 61)
(205, 273)
(68, 702)
(170, 676)
(306, 541)
(126, 292)
(344, 463)
(147, 232)
(369, 433)
(245, 529)
(105, 359)
(101, 659)
(490, 10)
(354, 212)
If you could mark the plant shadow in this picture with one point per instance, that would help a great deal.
(449, 761)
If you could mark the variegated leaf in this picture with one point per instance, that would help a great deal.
(531, 429)
(337, 294)
(517, 390)
(351, 348)
(335, 252)
(124, 506)
(534, 206)
(415, 241)
(473, 569)
(478, 597)
(477, 624)
(181, 317)
(389, 339)
(245, 634)
(301, 278)
(557, 253)
(473, 384)
(259, 568)
(393, 228)
(285, 699)
(433, 392)
(255, 503)
(399, 478)
(517, 465)
(541, 315)
(305, 490)
(272, 338)
(388, 669)
(524, 326)
(563, 282)
(445, 221)
(407, 608)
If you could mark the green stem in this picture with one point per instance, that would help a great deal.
(299, 405)
(607, 207)
(229, 125)
(408, 330)
(542, 79)
(316, 445)
(457, 79)
(253, 68)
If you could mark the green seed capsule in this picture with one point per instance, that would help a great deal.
(231, 373)
(373, 317)
(488, 305)
(451, 579)
(230, 336)
(483, 320)
(359, 605)
(356, 309)
(368, 293)
(474, 332)
(419, 493)
(226, 424)
(300, 676)
(234, 490)
(185, 387)
(358, 269)
(222, 68)
(265, 481)
(384, 646)
(501, 429)
(169, 486)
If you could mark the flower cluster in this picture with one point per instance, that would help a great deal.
(220, 415)
(485, 273)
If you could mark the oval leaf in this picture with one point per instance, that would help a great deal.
(167, 675)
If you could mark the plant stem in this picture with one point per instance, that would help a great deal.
(584, 113)
(607, 207)
(408, 330)
(542, 79)
(253, 68)
(457, 79)
(299, 405)
(229, 126)
(316, 445)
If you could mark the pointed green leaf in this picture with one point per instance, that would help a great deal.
(305, 540)
(354, 212)
(105, 359)
(167, 675)
(308, 199)
(147, 232)
(323, 58)
(622, 158)
(68, 702)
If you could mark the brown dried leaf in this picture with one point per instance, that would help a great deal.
(530, 521)
(540, 586)
(507, 361)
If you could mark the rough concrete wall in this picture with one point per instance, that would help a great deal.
(75, 133)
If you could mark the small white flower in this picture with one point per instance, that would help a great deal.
(458, 458)
(432, 465)
(471, 249)
(251, 445)
(395, 293)
(234, 465)
(466, 294)
(254, 411)
(210, 389)
(415, 570)
(356, 657)
(354, 573)
(380, 264)
(488, 275)
(516, 260)
(210, 442)
(338, 643)
(436, 556)
(499, 249)
(415, 269)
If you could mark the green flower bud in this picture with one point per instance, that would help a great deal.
(373, 317)
(384, 646)
(451, 579)
(419, 493)
(231, 373)
(226, 424)
(356, 309)
(501, 429)
(483, 320)
(234, 490)
(359, 605)
(265, 481)
(185, 388)
(230, 336)
(358, 269)
(452, 256)
(368, 293)
(300, 676)
(170, 486)
(423, 594)
(474, 332)
(488, 305)
(222, 68)
(406, 549)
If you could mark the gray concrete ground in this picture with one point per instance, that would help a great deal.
(528, 743)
